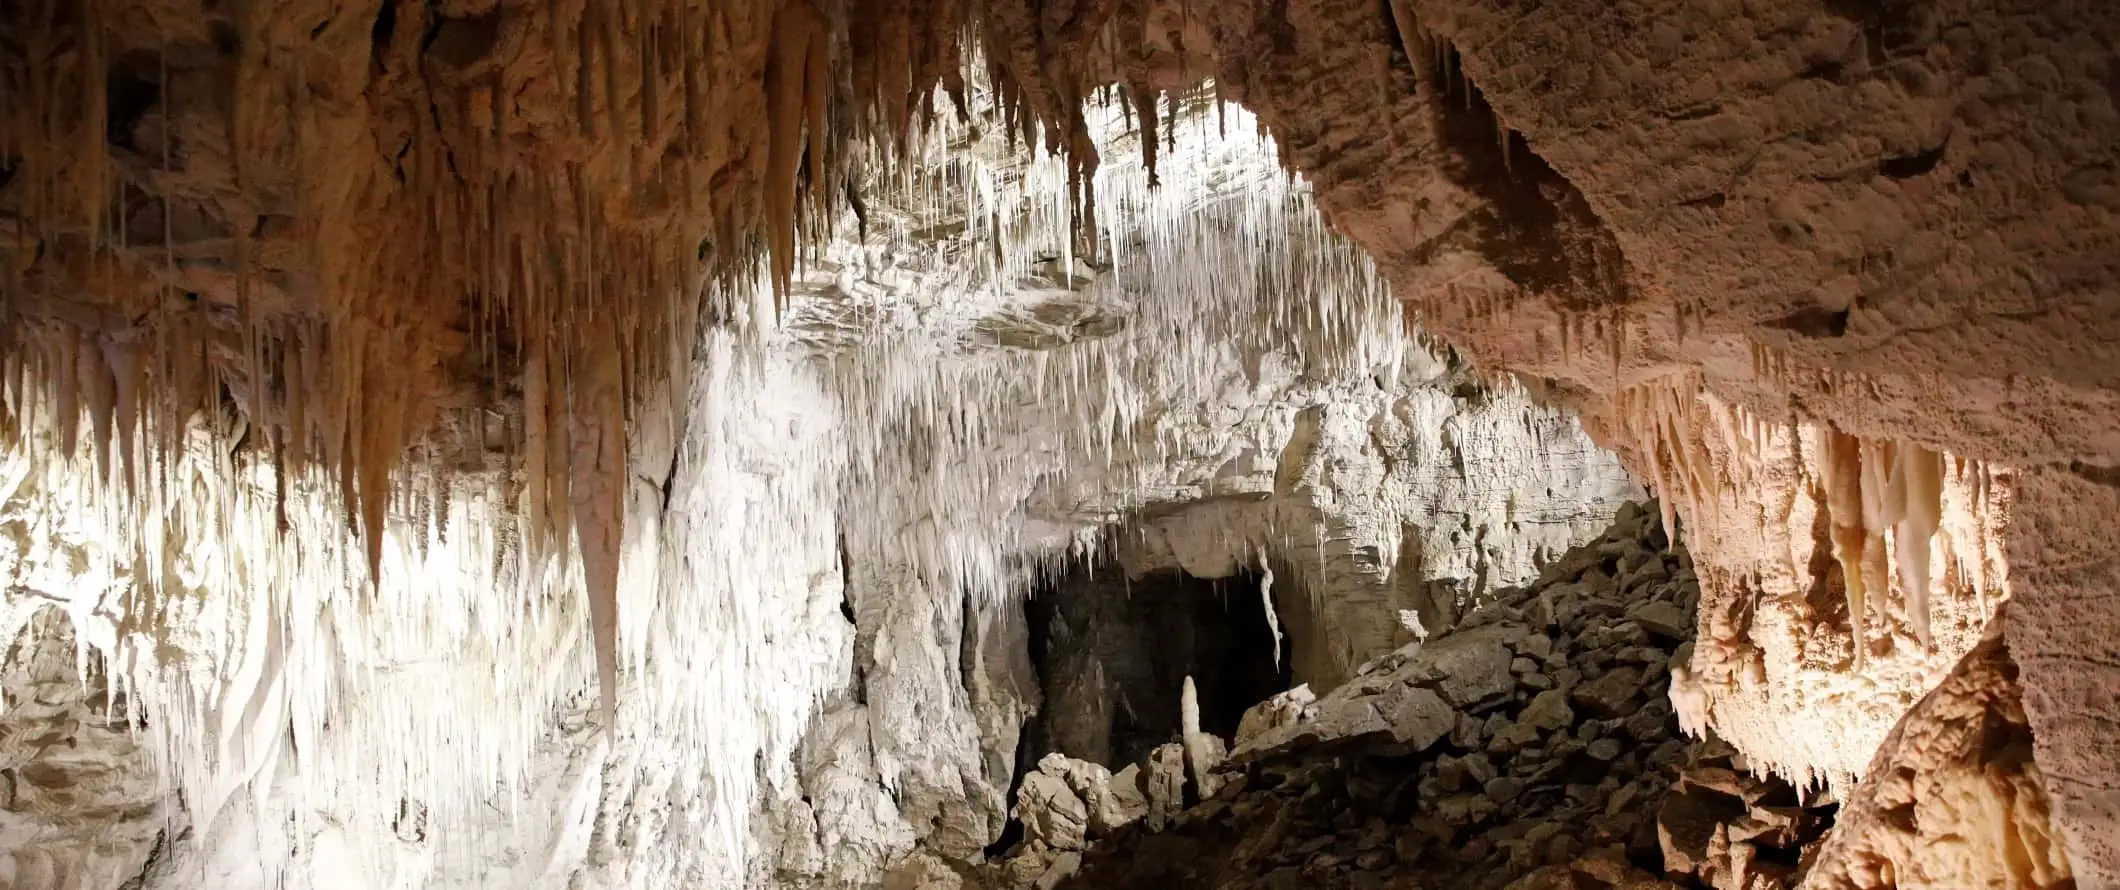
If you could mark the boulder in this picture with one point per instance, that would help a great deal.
(1284, 709)
(1548, 711)
(1110, 804)
(1611, 694)
(1664, 620)
(1051, 813)
(1166, 785)
(1470, 669)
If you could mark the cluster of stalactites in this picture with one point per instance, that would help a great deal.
(533, 199)
(1866, 487)
(1870, 487)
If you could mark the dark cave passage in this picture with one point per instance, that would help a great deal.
(1114, 653)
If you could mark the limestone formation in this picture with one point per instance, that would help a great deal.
(1954, 797)
(390, 373)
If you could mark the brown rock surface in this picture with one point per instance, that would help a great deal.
(1895, 218)
(1954, 798)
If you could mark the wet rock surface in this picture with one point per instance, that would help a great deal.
(1531, 746)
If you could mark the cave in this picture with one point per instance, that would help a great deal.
(679, 443)
(1115, 652)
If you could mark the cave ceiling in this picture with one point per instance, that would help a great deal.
(337, 230)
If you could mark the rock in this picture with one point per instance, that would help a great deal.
(1604, 874)
(1479, 768)
(1491, 750)
(1409, 715)
(1112, 802)
(1464, 810)
(1652, 721)
(1713, 778)
(1284, 709)
(1417, 717)
(1623, 799)
(1128, 792)
(1512, 738)
(1663, 620)
(1644, 655)
(1610, 694)
(1204, 752)
(1051, 813)
(1649, 574)
(1469, 669)
(1691, 828)
(922, 870)
(1064, 866)
(1165, 785)
(1468, 732)
(1548, 711)
(1536, 645)
(1772, 826)
(1624, 635)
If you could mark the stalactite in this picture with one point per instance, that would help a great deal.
(1273, 615)
(1920, 478)
(527, 239)
(1842, 455)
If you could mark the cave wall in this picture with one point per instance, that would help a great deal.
(1424, 500)
(1895, 218)
(1953, 798)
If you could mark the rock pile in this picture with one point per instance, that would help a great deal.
(1727, 829)
(1532, 742)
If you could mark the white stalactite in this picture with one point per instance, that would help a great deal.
(965, 415)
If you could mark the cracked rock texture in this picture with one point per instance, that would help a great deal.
(80, 802)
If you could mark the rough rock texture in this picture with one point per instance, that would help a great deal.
(1535, 734)
(80, 803)
(1954, 798)
(1725, 828)
(1815, 636)
(1894, 218)
(1425, 502)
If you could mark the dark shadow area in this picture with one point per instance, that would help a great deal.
(1112, 655)
(1538, 230)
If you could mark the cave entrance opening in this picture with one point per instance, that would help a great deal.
(1115, 652)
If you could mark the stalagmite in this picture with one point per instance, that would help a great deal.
(1203, 751)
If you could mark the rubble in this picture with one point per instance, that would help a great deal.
(1532, 746)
